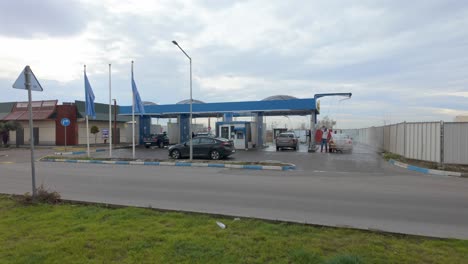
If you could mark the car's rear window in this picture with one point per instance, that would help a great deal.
(286, 135)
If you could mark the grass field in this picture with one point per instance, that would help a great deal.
(69, 233)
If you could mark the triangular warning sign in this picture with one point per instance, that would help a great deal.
(20, 83)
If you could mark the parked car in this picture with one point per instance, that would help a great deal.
(341, 143)
(160, 140)
(212, 148)
(286, 140)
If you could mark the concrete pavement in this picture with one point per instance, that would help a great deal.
(382, 197)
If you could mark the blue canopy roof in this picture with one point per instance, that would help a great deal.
(269, 108)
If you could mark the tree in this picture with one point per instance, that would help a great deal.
(5, 129)
(94, 131)
(326, 122)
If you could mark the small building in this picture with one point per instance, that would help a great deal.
(47, 126)
(461, 118)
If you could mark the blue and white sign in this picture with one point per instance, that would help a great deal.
(105, 133)
(65, 122)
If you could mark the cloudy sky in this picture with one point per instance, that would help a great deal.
(402, 60)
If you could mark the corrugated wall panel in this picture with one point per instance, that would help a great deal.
(423, 141)
(410, 141)
(379, 137)
(400, 139)
(420, 141)
(393, 139)
(386, 138)
(456, 143)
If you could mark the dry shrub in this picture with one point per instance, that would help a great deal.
(43, 195)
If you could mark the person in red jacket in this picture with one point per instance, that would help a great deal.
(318, 136)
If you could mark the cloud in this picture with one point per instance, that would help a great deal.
(401, 60)
(31, 18)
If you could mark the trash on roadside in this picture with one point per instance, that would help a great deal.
(237, 219)
(221, 225)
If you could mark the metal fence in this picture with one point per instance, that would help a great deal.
(429, 141)
(455, 147)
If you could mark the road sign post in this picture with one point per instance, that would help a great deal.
(27, 81)
(31, 130)
(65, 122)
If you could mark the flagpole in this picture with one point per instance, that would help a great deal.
(87, 136)
(133, 119)
(87, 126)
(110, 113)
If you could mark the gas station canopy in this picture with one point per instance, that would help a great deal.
(270, 107)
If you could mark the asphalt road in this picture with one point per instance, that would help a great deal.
(378, 197)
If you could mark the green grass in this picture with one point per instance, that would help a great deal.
(70, 233)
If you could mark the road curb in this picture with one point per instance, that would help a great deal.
(424, 170)
(178, 164)
(78, 152)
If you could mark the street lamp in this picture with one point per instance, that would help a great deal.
(190, 127)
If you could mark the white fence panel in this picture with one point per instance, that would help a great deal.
(423, 141)
(396, 141)
(392, 140)
(456, 143)
(400, 139)
(420, 141)
(386, 138)
(379, 137)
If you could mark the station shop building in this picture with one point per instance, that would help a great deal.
(48, 129)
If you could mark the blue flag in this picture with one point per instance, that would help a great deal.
(89, 98)
(139, 108)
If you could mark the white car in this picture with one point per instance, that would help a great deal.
(341, 142)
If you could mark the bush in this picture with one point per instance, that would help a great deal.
(43, 195)
(94, 131)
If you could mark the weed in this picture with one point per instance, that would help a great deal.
(389, 156)
(43, 195)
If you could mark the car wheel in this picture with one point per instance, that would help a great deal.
(161, 145)
(277, 148)
(147, 146)
(175, 154)
(295, 148)
(214, 155)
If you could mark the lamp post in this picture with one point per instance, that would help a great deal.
(190, 127)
